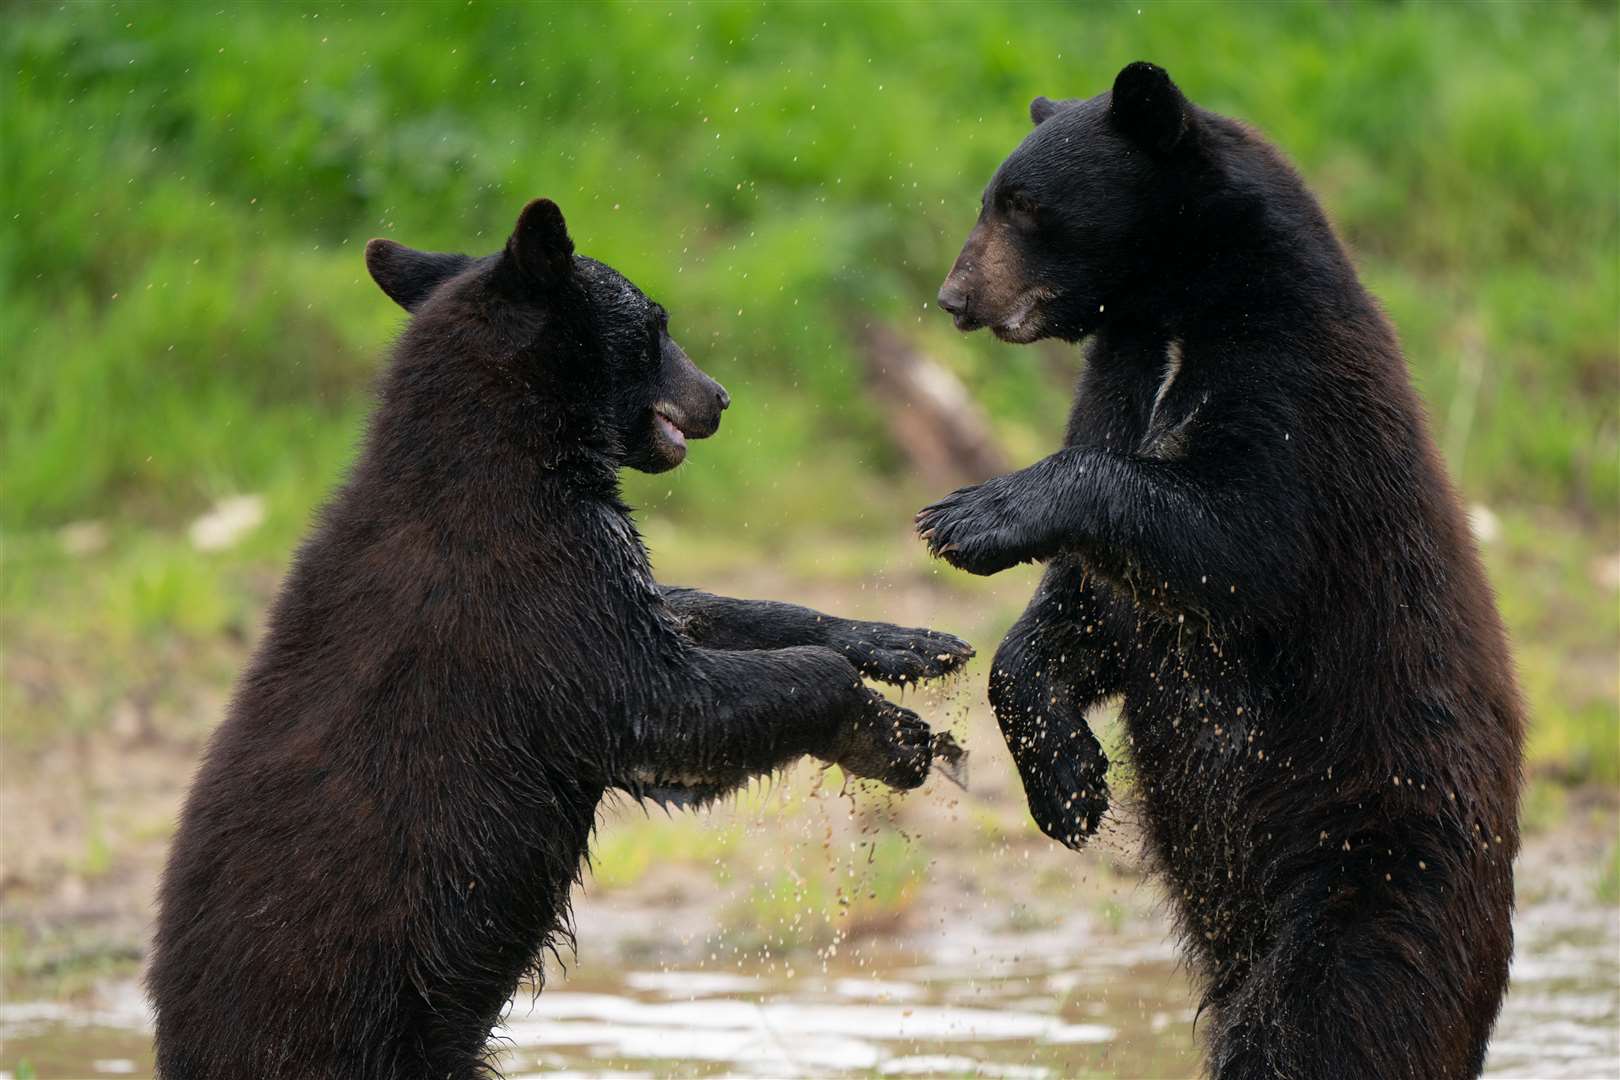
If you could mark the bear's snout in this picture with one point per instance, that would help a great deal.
(959, 302)
(963, 295)
(701, 405)
(956, 301)
(694, 407)
(697, 397)
(951, 298)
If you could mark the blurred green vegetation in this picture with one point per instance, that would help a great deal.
(186, 314)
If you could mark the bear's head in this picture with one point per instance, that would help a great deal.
(1073, 213)
(562, 329)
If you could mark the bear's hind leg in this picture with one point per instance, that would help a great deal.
(1365, 999)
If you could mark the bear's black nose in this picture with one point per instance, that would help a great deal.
(951, 299)
(722, 397)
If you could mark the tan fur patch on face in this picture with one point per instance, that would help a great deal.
(994, 286)
(999, 282)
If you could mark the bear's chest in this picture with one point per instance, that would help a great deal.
(1135, 397)
(1189, 702)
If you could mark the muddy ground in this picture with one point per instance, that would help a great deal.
(794, 890)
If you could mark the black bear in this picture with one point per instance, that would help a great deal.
(1251, 541)
(468, 652)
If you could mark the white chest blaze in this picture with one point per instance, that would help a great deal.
(1166, 438)
(1172, 368)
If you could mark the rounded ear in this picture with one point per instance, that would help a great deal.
(408, 275)
(540, 245)
(1148, 108)
(1043, 107)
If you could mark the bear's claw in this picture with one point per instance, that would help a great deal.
(897, 654)
(889, 743)
(978, 529)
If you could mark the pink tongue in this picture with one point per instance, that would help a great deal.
(671, 432)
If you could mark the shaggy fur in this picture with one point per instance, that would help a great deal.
(469, 651)
(1249, 539)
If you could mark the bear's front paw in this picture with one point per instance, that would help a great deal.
(898, 654)
(979, 529)
(1067, 793)
(887, 742)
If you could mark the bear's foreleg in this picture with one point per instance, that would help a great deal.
(1056, 662)
(1209, 540)
(879, 650)
(737, 714)
(1363, 998)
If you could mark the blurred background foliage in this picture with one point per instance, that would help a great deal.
(186, 315)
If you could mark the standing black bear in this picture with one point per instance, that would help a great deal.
(1250, 538)
(469, 651)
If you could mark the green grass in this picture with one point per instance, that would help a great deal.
(1608, 887)
(819, 895)
(186, 315)
(624, 852)
(1565, 629)
(839, 878)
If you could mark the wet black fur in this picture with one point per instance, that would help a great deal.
(468, 652)
(1261, 555)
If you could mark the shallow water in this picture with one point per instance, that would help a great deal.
(1069, 1001)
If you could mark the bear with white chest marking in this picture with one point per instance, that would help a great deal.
(1251, 542)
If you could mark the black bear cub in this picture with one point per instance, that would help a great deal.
(469, 651)
(1251, 541)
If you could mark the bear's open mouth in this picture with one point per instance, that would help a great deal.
(667, 423)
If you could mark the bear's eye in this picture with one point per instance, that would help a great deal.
(1018, 204)
(653, 354)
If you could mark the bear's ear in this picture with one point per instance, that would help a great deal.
(1149, 109)
(1044, 107)
(540, 246)
(408, 275)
